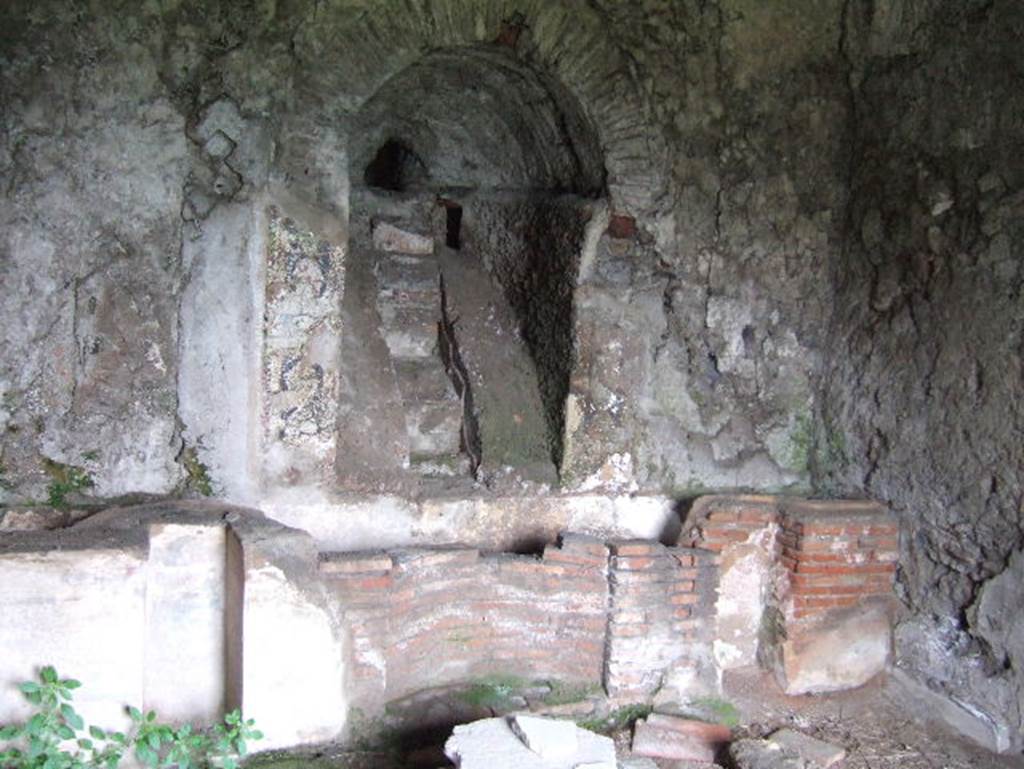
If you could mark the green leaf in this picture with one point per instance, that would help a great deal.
(29, 687)
(65, 732)
(230, 763)
(256, 734)
(73, 719)
(48, 674)
(240, 747)
(9, 732)
(154, 740)
(37, 724)
(146, 755)
(134, 713)
(97, 733)
(151, 716)
(34, 697)
(85, 744)
(71, 683)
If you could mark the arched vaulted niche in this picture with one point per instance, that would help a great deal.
(487, 142)
(479, 174)
(477, 118)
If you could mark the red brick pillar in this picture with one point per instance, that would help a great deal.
(831, 629)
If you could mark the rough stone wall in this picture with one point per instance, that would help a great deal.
(751, 100)
(922, 398)
(92, 186)
(135, 139)
(722, 128)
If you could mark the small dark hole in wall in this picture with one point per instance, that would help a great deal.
(453, 231)
(395, 167)
(749, 340)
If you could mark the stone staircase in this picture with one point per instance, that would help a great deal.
(409, 306)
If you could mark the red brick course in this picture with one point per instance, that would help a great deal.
(654, 593)
(835, 555)
(420, 618)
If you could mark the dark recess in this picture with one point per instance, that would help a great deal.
(395, 167)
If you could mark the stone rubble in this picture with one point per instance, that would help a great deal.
(786, 749)
(493, 744)
(819, 753)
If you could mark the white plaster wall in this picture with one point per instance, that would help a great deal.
(82, 611)
(292, 662)
(185, 632)
(220, 346)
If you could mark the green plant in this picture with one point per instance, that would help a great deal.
(66, 480)
(493, 692)
(723, 711)
(562, 693)
(197, 473)
(56, 736)
(619, 718)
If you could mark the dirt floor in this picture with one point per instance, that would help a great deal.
(878, 725)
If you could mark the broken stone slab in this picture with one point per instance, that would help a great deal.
(547, 737)
(493, 744)
(680, 739)
(817, 753)
(388, 237)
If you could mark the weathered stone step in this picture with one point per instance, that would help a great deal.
(407, 272)
(440, 465)
(422, 379)
(434, 427)
(397, 315)
(409, 299)
(414, 342)
(397, 237)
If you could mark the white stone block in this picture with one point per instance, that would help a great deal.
(492, 744)
(185, 638)
(547, 737)
(388, 237)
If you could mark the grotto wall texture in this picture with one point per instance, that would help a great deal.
(141, 145)
(816, 284)
(922, 393)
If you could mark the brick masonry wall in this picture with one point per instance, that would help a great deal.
(832, 553)
(422, 618)
(835, 555)
(716, 522)
(662, 599)
(627, 614)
